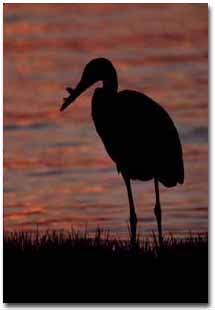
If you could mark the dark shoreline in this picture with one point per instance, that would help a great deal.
(59, 268)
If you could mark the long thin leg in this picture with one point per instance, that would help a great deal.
(157, 211)
(133, 217)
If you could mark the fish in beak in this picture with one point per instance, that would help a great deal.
(74, 93)
(70, 99)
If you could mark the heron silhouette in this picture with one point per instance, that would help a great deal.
(138, 134)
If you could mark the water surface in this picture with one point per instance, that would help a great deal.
(56, 171)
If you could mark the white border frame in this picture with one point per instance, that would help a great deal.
(211, 120)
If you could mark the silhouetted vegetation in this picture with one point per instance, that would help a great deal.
(72, 267)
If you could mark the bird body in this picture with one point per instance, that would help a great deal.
(138, 134)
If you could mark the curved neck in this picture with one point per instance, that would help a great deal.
(110, 81)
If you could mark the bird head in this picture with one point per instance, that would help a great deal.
(99, 69)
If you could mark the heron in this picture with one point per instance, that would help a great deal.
(137, 133)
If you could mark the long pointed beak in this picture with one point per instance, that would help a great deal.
(67, 101)
(74, 93)
(63, 107)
